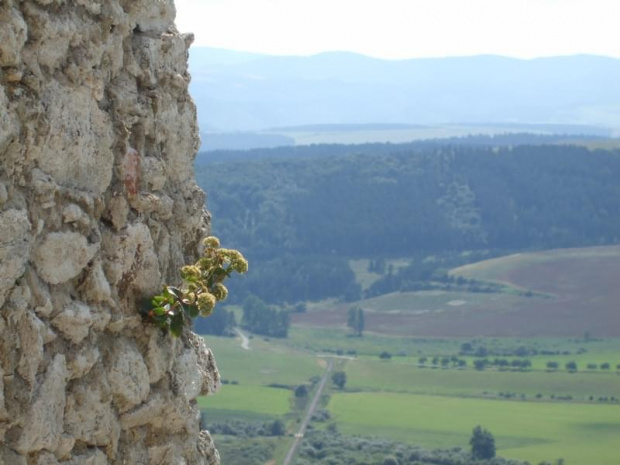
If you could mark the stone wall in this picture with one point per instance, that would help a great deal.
(98, 208)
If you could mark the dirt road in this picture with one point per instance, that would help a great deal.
(288, 460)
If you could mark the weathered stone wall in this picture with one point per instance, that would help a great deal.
(98, 207)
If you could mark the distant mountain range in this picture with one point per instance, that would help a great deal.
(237, 91)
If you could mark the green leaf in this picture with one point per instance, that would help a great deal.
(175, 291)
(193, 311)
(176, 324)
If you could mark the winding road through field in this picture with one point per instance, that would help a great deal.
(315, 401)
(245, 342)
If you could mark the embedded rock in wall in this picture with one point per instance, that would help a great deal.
(98, 208)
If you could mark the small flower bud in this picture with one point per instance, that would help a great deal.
(206, 303)
(219, 291)
(212, 242)
(190, 273)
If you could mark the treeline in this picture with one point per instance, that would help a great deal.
(262, 319)
(429, 273)
(339, 449)
(221, 322)
(300, 278)
(298, 218)
(285, 149)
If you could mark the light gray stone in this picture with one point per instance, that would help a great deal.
(96, 287)
(65, 445)
(98, 208)
(78, 151)
(127, 374)
(74, 322)
(46, 458)
(210, 376)
(14, 248)
(43, 423)
(62, 256)
(95, 457)
(10, 457)
(130, 257)
(31, 331)
(79, 363)
(90, 417)
(3, 412)
(187, 377)
(71, 213)
(160, 354)
(13, 35)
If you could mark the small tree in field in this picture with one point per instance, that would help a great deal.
(339, 378)
(571, 367)
(355, 320)
(482, 444)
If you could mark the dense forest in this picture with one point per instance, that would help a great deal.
(299, 219)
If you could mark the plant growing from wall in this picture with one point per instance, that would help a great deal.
(201, 288)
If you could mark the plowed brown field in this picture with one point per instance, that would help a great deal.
(581, 290)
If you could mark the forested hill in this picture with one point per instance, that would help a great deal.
(451, 198)
(300, 219)
(330, 150)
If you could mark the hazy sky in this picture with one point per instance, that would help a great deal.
(406, 28)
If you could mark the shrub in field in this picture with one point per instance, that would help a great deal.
(571, 366)
(339, 378)
(482, 444)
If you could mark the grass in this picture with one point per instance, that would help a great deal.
(259, 400)
(322, 339)
(266, 363)
(388, 376)
(579, 433)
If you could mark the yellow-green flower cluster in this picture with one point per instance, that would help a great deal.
(206, 303)
(190, 273)
(211, 242)
(219, 291)
(236, 259)
(201, 289)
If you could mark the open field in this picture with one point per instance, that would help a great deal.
(387, 376)
(259, 400)
(264, 364)
(574, 291)
(399, 400)
(438, 314)
(581, 434)
(409, 349)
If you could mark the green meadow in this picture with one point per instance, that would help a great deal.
(395, 377)
(265, 363)
(257, 401)
(432, 407)
(534, 431)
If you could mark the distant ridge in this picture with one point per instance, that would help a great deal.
(346, 127)
(239, 91)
